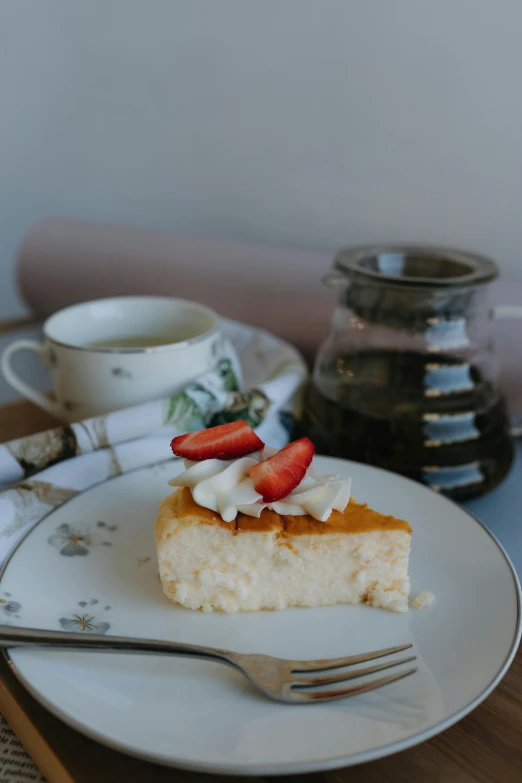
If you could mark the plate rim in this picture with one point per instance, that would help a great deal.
(291, 767)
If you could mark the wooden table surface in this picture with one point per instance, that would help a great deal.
(486, 746)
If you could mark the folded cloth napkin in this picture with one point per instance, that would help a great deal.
(258, 378)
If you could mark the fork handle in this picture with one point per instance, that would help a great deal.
(13, 636)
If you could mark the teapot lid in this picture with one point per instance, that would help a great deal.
(416, 266)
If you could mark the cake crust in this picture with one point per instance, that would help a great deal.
(356, 518)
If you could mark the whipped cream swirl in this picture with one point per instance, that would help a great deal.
(225, 486)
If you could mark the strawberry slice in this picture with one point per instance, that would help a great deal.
(226, 441)
(277, 476)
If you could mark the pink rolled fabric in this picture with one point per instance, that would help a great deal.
(62, 262)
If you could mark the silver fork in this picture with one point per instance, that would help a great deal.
(290, 682)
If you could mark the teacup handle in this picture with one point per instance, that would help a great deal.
(42, 400)
(502, 312)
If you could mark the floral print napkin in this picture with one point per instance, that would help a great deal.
(258, 378)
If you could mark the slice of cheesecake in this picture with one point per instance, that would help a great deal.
(275, 561)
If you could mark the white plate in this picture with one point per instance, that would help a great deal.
(206, 717)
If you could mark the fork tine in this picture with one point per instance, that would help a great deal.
(316, 696)
(302, 683)
(302, 667)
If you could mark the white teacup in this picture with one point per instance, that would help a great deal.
(112, 353)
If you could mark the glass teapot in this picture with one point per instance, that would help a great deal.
(406, 379)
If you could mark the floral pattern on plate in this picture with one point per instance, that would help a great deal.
(75, 540)
(9, 609)
(83, 621)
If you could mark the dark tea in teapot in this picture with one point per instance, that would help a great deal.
(406, 379)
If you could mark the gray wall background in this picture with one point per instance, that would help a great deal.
(308, 123)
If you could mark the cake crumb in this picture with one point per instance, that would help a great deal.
(423, 600)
